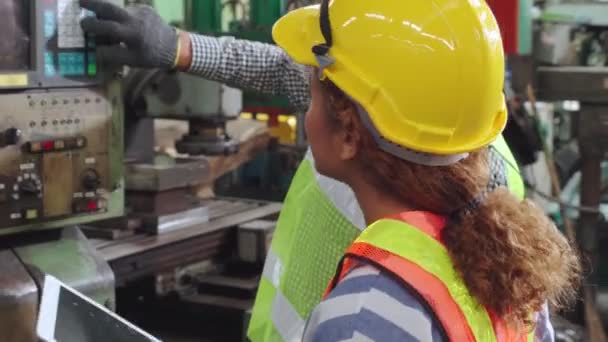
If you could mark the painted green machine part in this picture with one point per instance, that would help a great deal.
(206, 17)
(65, 254)
(75, 261)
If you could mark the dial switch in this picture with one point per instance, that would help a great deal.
(91, 180)
(10, 137)
(30, 187)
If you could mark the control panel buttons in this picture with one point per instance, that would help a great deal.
(30, 214)
(90, 180)
(59, 145)
(89, 205)
(91, 64)
(49, 64)
(81, 142)
(3, 193)
(11, 136)
(28, 187)
(35, 147)
(48, 145)
(56, 145)
(50, 24)
(71, 63)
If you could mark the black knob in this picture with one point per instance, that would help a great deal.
(11, 136)
(90, 180)
(28, 187)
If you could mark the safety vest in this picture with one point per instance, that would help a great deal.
(409, 247)
(319, 221)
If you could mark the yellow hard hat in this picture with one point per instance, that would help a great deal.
(429, 73)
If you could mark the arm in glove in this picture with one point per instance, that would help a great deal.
(139, 36)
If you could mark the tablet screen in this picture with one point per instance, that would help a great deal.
(79, 319)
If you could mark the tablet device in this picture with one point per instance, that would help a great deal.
(68, 316)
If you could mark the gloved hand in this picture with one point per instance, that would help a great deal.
(139, 36)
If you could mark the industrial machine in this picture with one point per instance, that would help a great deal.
(205, 105)
(251, 20)
(574, 33)
(61, 152)
(65, 171)
(57, 110)
(572, 56)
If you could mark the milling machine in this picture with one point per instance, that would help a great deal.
(61, 151)
(62, 155)
(205, 105)
(160, 188)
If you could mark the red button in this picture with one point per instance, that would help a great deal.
(92, 205)
(47, 145)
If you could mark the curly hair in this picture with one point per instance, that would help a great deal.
(511, 257)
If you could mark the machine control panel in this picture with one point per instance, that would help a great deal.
(69, 52)
(60, 120)
(54, 156)
(43, 45)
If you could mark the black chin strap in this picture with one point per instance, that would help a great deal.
(323, 49)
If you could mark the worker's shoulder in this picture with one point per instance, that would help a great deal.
(369, 303)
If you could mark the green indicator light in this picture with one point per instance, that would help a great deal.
(92, 69)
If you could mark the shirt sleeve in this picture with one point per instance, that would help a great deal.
(544, 329)
(369, 305)
(250, 65)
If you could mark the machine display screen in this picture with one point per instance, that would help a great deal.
(15, 31)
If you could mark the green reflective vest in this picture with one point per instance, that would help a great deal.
(319, 221)
(409, 247)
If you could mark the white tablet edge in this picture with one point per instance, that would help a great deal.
(47, 315)
(55, 286)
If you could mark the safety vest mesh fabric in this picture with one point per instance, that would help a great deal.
(514, 180)
(309, 241)
(310, 238)
(419, 260)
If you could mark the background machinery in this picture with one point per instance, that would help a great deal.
(571, 53)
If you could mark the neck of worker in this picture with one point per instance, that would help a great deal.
(375, 204)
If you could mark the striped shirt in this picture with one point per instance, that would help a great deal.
(367, 305)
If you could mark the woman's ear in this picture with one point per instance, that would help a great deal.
(349, 135)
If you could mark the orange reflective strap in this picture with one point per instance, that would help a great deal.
(428, 286)
(502, 332)
(429, 223)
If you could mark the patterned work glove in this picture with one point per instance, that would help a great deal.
(139, 36)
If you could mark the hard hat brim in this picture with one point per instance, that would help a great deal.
(297, 32)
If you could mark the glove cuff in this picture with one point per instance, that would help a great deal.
(169, 55)
(178, 50)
